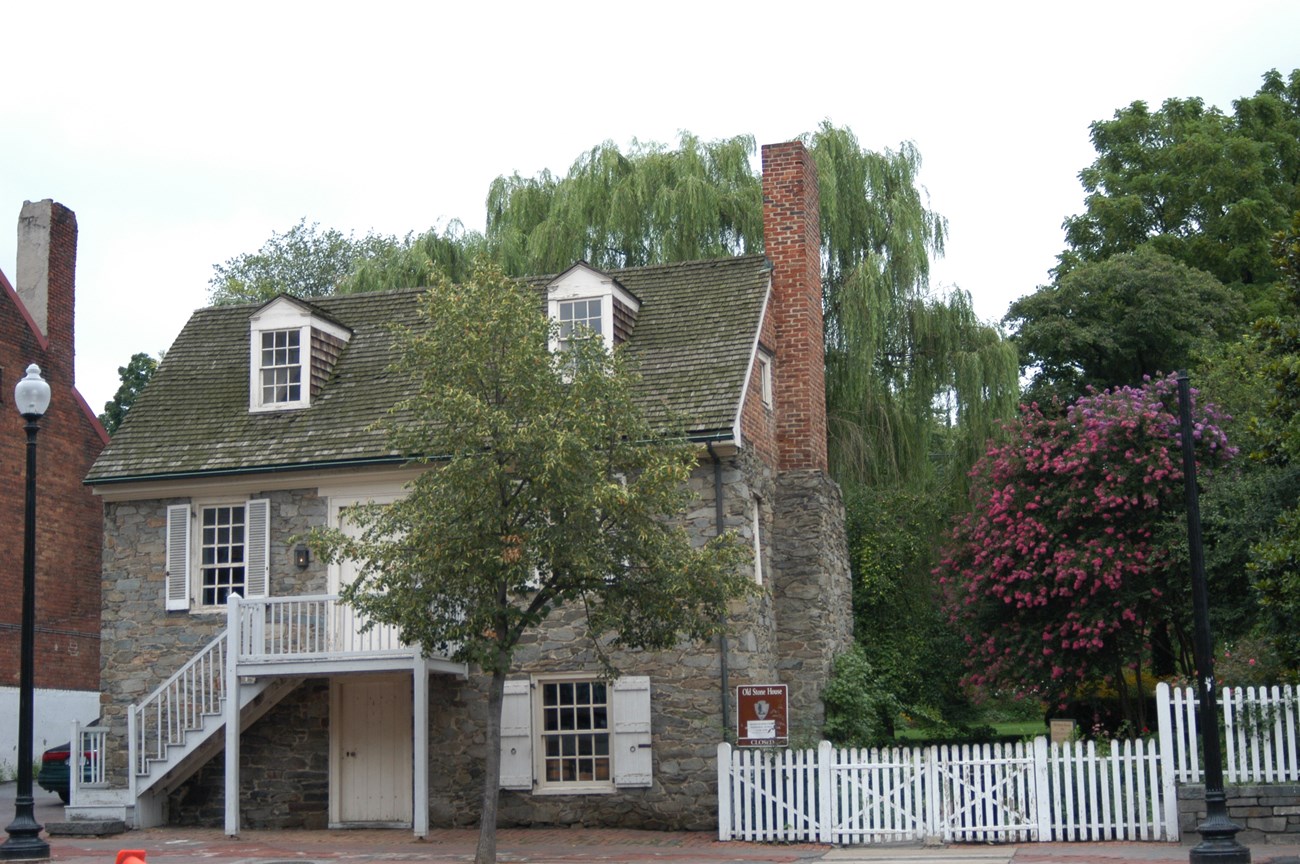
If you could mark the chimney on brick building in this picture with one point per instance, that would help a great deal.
(45, 274)
(792, 241)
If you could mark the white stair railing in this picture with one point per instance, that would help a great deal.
(178, 705)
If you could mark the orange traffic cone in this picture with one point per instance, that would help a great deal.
(130, 856)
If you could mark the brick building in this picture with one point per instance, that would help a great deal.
(36, 326)
(257, 426)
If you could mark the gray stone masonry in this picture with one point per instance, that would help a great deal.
(142, 644)
(1266, 813)
(812, 594)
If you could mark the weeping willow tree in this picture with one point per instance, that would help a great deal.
(915, 381)
(648, 206)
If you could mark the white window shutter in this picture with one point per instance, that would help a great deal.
(632, 762)
(178, 557)
(517, 736)
(257, 549)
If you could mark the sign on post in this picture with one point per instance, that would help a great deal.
(761, 715)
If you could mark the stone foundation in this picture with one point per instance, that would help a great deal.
(1266, 814)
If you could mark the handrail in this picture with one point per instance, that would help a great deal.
(307, 627)
(179, 704)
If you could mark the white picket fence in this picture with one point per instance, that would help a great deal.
(1018, 792)
(983, 793)
(1259, 733)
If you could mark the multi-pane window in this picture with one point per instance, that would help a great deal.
(281, 366)
(575, 732)
(576, 314)
(221, 554)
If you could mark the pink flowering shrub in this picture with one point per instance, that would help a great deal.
(1056, 576)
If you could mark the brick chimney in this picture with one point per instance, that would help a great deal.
(46, 271)
(792, 240)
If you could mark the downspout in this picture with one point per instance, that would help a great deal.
(722, 635)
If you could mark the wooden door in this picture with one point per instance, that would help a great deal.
(371, 751)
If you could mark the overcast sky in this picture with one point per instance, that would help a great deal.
(183, 134)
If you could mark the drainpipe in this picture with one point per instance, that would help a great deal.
(722, 636)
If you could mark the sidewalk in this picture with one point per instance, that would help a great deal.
(584, 846)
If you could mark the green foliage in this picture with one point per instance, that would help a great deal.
(898, 624)
(303, 262)
(859, 711)
(135, 375)
(648, 206)
(1276, 558)
(1114, 322)
(1206, 188)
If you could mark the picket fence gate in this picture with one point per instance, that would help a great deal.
(983, 793)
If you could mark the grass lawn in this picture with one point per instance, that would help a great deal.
(1011, 728)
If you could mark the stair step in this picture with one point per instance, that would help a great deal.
(86, 828)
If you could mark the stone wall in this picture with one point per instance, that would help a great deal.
(283, 770)
(812, 593)
(142, 644)
(1266, 814)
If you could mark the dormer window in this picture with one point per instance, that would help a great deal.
(579, 318)
(281, 367)
(292, 351)
(583, 300)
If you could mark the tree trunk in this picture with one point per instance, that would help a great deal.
(487, 830)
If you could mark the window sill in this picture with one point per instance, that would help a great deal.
(576, 789)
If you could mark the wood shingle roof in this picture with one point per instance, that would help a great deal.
(693, 339)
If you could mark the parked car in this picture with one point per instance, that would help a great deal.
(54, 774)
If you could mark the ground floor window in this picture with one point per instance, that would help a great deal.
(575, 732)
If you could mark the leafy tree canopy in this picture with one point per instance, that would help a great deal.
(135, 375)
(545, 487)
(1117, 321)
(305, 261)
(1206, 188)
(1061, 577)
(1276, 558)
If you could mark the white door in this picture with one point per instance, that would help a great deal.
(371, 751)
(348, 623)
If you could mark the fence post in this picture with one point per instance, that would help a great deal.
(724, 791)
(1042, 791)
(825, 791)
(1168, 755)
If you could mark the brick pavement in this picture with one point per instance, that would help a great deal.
(584, 846)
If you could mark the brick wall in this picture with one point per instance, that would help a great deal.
(69, 517)
(792, 241)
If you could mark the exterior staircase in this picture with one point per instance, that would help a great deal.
(267, 648)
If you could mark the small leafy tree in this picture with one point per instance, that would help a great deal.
(1062, 577)
(134, 375)
(545, 486)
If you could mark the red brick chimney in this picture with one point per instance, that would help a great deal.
(792, 240)
(46, 272)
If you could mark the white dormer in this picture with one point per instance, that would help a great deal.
(582, 295)
(291, 352)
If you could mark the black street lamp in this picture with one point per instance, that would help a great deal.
(32, 396)
(1218, 832)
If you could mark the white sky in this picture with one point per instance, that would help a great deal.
(184, 134)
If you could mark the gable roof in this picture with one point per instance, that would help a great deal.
(693, 339)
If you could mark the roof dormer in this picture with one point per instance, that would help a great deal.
(292, 348)
(583, 297)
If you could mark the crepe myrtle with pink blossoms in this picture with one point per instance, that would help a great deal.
(1064, 573)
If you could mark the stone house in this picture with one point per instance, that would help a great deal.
(36, 326)
(246, 692)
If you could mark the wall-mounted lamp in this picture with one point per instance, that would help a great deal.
(301, 556)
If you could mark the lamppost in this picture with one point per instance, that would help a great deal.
(1218, 832)
(32, 396)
